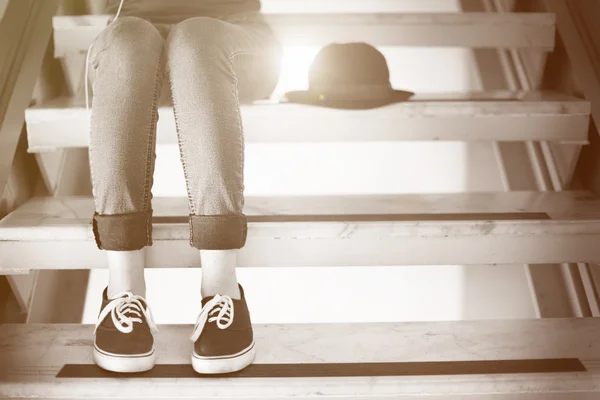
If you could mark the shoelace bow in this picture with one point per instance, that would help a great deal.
(127, 303)
(218, 304)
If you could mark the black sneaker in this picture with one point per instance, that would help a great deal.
(123, 338)
(223, 339)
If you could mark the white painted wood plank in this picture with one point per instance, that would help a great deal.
(549, 291)
(62, 122)
(576, 26)
(34, 353)
(55, 233)
(548, 179)
(273, 251)
(576, 31)
(475, 30)
(563, 206)
(550, 296)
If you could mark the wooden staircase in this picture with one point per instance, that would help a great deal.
(525, 116)
(541, 359)
(537, 224)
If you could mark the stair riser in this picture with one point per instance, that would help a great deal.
(36, 353)
(359, 230)
(63, 132)
(501, 387)
(286, 252)
(75, 34)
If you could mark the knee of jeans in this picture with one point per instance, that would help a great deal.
(198, 34)
(128, 36)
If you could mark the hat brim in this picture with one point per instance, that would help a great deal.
(319, 100)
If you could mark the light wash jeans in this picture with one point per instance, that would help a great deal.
(212, 65)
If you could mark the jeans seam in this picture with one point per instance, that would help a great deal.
(90, 147)
(181, 153)
(95, 229)
(94, 63)
(239, 121)
(153, 114)
(182, 156)
(151, 138)
(191, 230)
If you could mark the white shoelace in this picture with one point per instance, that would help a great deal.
(218, 304)
(127, 302)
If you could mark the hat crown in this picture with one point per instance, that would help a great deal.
(349, 76)
(348, 64)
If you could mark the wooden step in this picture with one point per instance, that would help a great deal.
(505, 359)
(474, 30)
(359, 230)
(484, 116)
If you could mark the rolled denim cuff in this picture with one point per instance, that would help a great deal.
(218, 232)
(123, 232)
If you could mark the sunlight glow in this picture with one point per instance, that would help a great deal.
(294, 69)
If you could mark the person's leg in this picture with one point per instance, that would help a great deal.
(127, 69)
(213, 66)
(218, 273)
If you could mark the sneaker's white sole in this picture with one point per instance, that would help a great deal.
(224, 364)
(124, 362)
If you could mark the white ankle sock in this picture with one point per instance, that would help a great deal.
(218, 273)
(126, 272)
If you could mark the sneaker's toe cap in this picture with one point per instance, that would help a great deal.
(217, 342)
(139, 341)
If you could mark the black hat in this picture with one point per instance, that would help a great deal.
(349, 75)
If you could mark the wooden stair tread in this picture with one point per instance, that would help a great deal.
(33, 355)
(474, 228)
(472, 30)
(62, 122)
